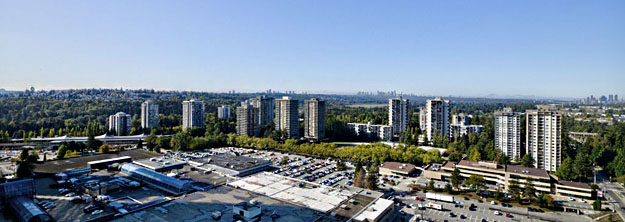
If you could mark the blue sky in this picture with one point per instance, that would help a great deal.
(464, 48)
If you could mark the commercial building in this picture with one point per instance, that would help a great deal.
(18, 197)
(508, 133)
(231, 165)
(543, 138)
(265, 107)
(103, 164)
(381, 210)
(287, 116)
(574, 189)
(398, 114)
(159, 181)
(223, 112)
(315, 119)
(247, 119)
(501, 176)
(382, 132)
(397, 168)
(120, 123)
(149, 114)
(192, 114)
(160, 164)
(435, 117)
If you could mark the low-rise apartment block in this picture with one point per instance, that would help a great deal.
(501, 176)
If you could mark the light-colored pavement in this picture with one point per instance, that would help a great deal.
(485, 211)
(616, 197)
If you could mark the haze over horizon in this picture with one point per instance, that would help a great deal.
(556, 49)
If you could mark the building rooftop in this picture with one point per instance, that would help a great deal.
(397, 166)
(487, 165)
(527, 170)
(233, 162)
(573, 184)
(247, 206)
(156, 163)
(373, 211)
(62, 165)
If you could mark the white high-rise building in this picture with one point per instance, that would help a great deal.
(287, 116)
(508, 133)
(120, 123)
(223, 112)
(398, 114)
(192, 114)
(435, 118)
(315, 119)
(149, 114)
(544, 128)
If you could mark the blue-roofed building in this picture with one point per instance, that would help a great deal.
(17, 195)
(160, 181)
(25, 210)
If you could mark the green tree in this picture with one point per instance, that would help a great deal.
(105, 148)
(163, 142)
(566, 171)
(448, 188)
(455, 178)
(474, 155)
(150, 142)
(372, 177)
(530, 190)
(475, 182)
(24, 155)
(499, 195)
(514, 188)
(60, 153)
(285, 160)
(596, 205)
(140, 144)
(24, 169)
(527, 161)
(431, 185)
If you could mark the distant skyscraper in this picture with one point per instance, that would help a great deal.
(149, 114)
(435, 117)
(247, 119)
(265, 109)
(223, 112)
(315, 119)
(398, 114)
(544, 128)
(508, 133)
(192, 114)
(287, 116)
(120, 123)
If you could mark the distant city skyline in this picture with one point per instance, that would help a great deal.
(555, 49)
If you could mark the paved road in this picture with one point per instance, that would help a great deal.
(616, 197)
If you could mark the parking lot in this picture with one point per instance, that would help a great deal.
(483, 211)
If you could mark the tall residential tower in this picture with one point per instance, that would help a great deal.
(435, 117)
(120, 123)
(192, 114)
(544, 128)
(247, 119)
(315, 119)
(149, 114)
(508, 133)
(398, 114)
(287, 116)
